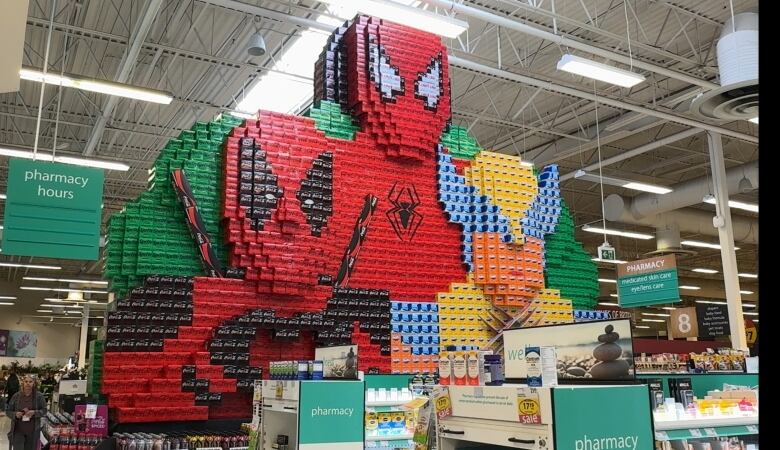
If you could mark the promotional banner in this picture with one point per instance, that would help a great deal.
(586, 351)
(92, 419)
(52, 210)
(618, 418)
(23, 344)
(331, 415)
(648, 282)
(3, 342)
(712, 320)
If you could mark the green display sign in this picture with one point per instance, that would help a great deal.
(646, 282)
(52, 210)
(603, 418)
(331, 415)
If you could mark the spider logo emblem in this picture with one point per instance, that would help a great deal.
(403, 217)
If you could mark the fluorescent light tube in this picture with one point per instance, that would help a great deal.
(656, 314)
(754, 120)
(611, 261)
(420, 19)
(690, 288)
(628, 184)
(654, 320)
(598, 71)
(749, 313)
(608, 304)
(710, 302)
(67, 280)
(44, 310)
(748, 275)
(607, 280)
(702, 270)
(41, 156)
(746, 292)
(99, 86)
(703, 245)
(7, 303)
(734, 204)
(526, 164)
(613, 232)
(2, 197)
(46, 305)
(30, 266)
(669, 308)
(646, 187)
(613, 295)
(242, 115)
(642, 326)
(749, 305)
(84, 291)
(7, 297)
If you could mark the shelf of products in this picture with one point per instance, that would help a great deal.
(705, 432)
(389, 437)
(706, 422)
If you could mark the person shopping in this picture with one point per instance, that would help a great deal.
(25, 409)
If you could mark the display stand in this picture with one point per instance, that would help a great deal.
(546, 418)
(386, 396)
(313, 415)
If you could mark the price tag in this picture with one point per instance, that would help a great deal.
(661, 436)
(752, 428)
(91, 411)
(710, 432)
(695, 432)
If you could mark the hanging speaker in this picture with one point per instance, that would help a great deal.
(256, 45)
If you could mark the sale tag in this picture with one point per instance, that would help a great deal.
(442, 403)
(710, 432)
(91, 411)
(695, 432)
(528, 407)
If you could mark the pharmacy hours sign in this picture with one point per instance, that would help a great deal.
(649, 281)
(52, 210)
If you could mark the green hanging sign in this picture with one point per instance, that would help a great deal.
(650, 281)
(603, 418)
(52, 210)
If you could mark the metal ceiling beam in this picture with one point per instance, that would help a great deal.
(637, 151)
(485, 70)
(125, 69)
(563, 41)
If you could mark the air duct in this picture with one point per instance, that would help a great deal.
(737, 98)
(667, 241)
(628, 210)
(697, 221)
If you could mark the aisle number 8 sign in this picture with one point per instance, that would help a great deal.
(683, 323)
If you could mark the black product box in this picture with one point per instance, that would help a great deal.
(171, 332)
(230, 371)
(201, 385)
(156, 345)
(245, 385)
(215, 397)
(188, 385)
(202, 399)
(656, 387)
(138, 293)
(152, 280)
(188, 372)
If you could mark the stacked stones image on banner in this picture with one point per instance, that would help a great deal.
(372, 221)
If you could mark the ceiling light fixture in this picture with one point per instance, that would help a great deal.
(754, 120)
(608, 304)
(690, 288)
(711, 302)
(611, 261)
(612, 232)
(598, 71)
(2, 197)
(44, 310)
(68, 280)
(99, 86)
(701, 270)
(654, 320)
(7, 297)
(30, 266)
(7, 303)
(749, 305)
(668, 308)
(46, 305)
(749, 313)
(734, 204)
(41, 156)
(703, 245)
(746, 292)
(607, 280)
(748, 275)
(613, 295)
(642, 326)
(656, 314)
(644, 187)
(83, 291)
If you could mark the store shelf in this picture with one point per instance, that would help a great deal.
(672, 430)
(400, 437)
(388, 403)
(281, 408)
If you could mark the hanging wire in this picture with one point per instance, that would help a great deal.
(628, 35)
(43, 81)
(733, 23)
(59, 91)
(601, 178)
